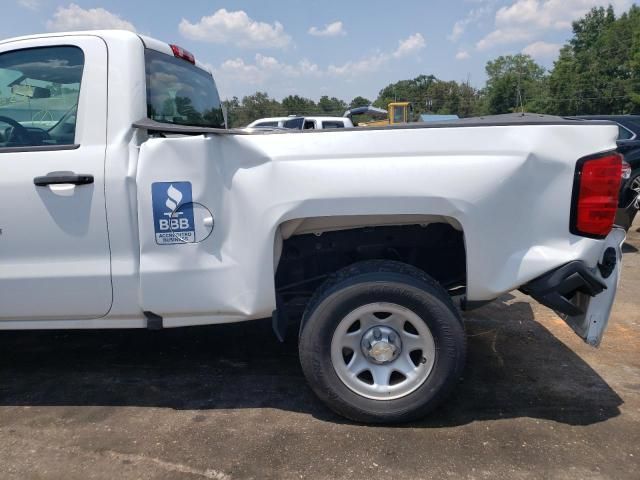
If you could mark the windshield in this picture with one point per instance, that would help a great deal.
(181, 93)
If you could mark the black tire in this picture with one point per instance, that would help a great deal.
(381, 281)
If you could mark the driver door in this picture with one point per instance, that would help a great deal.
(54, 245)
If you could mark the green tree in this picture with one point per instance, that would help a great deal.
(514, 82)
(634, 61)
(296, 105)
(232, 106)
(331, 106)
(469, 101)
(258, 105)
(359, 102)
(598, 70)
(430, 95)
(562, 85)
(415, 91)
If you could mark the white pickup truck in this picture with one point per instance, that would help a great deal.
(126, 203)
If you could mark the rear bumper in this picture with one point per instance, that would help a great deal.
(583, 296)
(558, 288)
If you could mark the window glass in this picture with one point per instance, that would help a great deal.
(39, 90)
(398, 115)
(334, 124)
(179, 92)
(266, 124)
(295, 123)
(623, 133)
(309, 125)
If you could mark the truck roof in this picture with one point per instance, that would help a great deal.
(109, 36)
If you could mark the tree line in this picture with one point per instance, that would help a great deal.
(597, 72)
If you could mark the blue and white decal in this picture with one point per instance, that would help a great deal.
(173, 213)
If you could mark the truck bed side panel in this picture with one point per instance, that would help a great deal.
(508, 187)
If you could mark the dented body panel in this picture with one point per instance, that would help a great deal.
(512, 204)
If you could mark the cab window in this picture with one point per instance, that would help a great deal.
(332, 124)
(39, 91)
(295, 123)
(181, 93)
(398, 114)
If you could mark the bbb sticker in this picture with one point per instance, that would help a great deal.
(173, 213)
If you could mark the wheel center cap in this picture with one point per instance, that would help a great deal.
(381, 344)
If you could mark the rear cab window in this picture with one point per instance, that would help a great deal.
(181, 93)
(39, 91)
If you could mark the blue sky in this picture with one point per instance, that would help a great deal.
(329, 47)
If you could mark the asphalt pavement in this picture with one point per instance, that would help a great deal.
(230, 402)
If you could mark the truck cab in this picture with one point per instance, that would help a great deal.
(400, 112)
(64, 116)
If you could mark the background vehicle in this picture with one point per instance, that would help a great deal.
(303, 123)
(396, 114)
(138, 208)
(629, 145)
(269, 122)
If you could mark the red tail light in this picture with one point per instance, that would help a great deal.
(180, 52)
(595, 194)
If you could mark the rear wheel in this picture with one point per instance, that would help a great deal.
(382, 342)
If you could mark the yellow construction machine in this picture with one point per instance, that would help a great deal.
(397, 113)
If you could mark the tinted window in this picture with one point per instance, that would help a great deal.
(624, 134)
(398, 115)
(266, 124)
(181, 93)
(295, 123)
(39, 90)
(332, 125)
(309, 125)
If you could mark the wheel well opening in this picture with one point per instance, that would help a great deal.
(308, 259)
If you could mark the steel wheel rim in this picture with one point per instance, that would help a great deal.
(634, 186)
(390, 376)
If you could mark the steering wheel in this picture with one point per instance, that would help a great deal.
(20, 132)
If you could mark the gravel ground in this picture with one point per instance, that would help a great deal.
(230, 402)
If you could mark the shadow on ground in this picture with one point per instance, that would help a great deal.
(515, 368)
